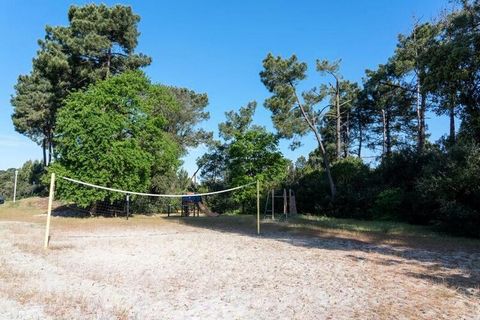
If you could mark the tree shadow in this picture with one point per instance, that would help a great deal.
(73, 211)
(70, 211)
(438, 260)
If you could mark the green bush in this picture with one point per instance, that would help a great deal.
(438, 187)
(452, 187)
(354, 184)
(312, 193)
(354, 192)
(388, 204)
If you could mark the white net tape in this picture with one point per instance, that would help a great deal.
(154, 194)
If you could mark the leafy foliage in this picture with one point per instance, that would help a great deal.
(112, 135)
(29, 181)
(99, 41)
(291, 116)
(450, 187)
(248, 153)
(183, 124)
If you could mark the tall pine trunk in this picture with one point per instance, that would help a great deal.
(109, 61)
(421, 107)
(49, 153)
(384, 144)
(388, 135)
(451, 115)
(339, 121)
(360, 140)
(326, 162)
(50, 147)
(346, 140)
(423, 128)
(44, 149)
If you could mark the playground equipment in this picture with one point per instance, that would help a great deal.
(190, 205)
(289, 205)
(193, 205)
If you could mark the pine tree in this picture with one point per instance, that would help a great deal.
(99, 41)
(291, 116)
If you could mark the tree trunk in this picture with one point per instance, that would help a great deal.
(388, 135)
(419, 117)
(423, 110)
(384, 145)
(326, 162)
(421, 123)
(109, 59)
(346, 142)
(339, 120)
(452, 124)
(360, 138)
(44, 149)
(93, 209)
(50, 147)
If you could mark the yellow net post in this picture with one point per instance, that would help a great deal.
(49, 211)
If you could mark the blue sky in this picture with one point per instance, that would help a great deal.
(217, 47)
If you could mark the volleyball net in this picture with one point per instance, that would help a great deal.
(114, 202)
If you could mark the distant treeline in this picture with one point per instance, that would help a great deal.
(29, 181)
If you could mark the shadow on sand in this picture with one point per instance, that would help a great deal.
(440, 260)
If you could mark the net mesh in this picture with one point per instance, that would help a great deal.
(127, 203)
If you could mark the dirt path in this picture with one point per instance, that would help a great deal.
(174, 271)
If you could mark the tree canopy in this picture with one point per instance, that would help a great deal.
(113, 135)
(248, 153)
(99, 41)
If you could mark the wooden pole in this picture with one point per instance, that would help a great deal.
(266, 204)
(15, 187)
(258, 207)
(49, 210)
(285, 202)
(128, 205)
(273, 204)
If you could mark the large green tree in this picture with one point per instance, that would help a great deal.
(247, 153)
(410, 61)
(455, 65)
(98, 41)
(184, 122)
(342, 96)
(114, 135)
(390, 108)
(293, 116)
(34, 110)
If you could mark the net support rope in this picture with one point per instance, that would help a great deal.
(155, 194)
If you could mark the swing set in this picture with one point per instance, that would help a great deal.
(289, 204)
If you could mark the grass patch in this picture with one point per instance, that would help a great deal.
(23, 210)
(385, 227)
(390, 232)
(33, 210)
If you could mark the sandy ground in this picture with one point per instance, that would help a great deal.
(171, 270)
